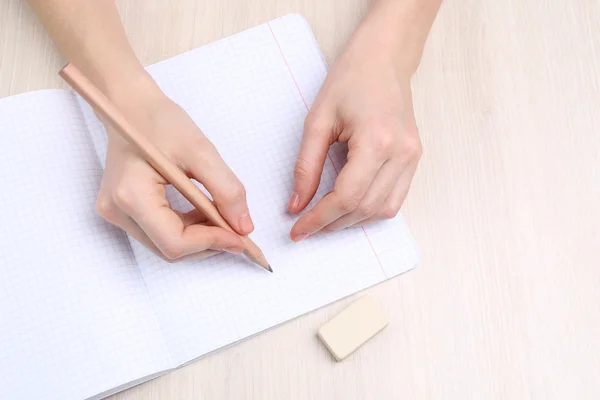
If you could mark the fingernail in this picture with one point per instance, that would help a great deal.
(233, 249)
(300, 237)
(294, 201)
(246, 225)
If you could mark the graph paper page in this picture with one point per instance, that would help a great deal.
(75, 318)
(250, 93)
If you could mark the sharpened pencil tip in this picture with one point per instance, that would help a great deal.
(269, 268)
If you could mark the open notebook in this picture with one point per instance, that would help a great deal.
(84, 310)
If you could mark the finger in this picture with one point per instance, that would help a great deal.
(176, 240)
(168, 232)
(373, 201)
(207, 166)
(113, 214)
(350, 187)
(316, 140)
(192, 217)
(203, 255)
(134, 230)
(121, 220)
(394, 201)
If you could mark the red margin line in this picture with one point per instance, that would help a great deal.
(328, 155)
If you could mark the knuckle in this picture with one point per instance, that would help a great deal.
(412, 147)
(123, 197)
(393, 138)
(383, 136)
(385, 142)
(320, 123)
(348, 203)
(236, 194)
(203, 145)
(390, 211)
(367, 210)
(314, 122)
(172, 249)
(301, 169)
(199, 153)
(105, 208)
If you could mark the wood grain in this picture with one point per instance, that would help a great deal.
(505, 205)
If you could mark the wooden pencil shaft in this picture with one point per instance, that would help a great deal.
(103, 106)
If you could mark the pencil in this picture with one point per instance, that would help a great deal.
(153, 156)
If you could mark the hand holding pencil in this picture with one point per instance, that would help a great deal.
(171, 150)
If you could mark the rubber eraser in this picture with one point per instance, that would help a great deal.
(353, 327)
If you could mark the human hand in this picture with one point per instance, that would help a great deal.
(365, 101)
(132, 194)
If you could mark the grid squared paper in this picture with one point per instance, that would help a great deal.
(250, 93)
(75, 317)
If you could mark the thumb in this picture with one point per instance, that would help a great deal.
(316, 139)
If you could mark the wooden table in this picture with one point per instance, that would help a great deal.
(505, 205)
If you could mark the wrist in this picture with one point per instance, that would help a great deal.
(397, 30)
(133, 89)
(137, 97)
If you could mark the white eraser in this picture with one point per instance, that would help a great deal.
(353, 327)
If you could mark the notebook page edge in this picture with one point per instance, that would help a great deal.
(356, 294)
(130, 384)
(15, 114)
(31, 93)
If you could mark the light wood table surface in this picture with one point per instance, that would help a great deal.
(505, 206)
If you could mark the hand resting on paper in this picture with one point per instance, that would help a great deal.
(365, 101)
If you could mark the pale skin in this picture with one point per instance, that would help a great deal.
(365, 101)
